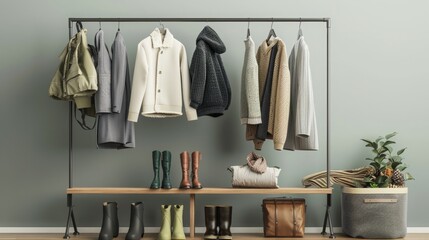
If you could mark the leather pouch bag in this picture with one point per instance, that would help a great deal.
(284, 217)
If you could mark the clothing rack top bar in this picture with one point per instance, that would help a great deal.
(327, 20)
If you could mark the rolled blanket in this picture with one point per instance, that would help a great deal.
(348, 178)
(256, 163)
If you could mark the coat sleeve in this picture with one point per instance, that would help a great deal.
(139, 84)
(191, 113)
(119, 65)
(305, 102)
(198, 78)
(226, 81)
(282, 106)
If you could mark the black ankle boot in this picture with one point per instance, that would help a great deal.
(110, 224)
(136, 230)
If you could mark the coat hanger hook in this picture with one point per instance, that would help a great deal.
(300, 22)
(99, 24)
(248, 23)
(119, 25)
(272, 23)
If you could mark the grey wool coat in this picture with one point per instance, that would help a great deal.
(210, 88)
(114, 130)
(302, 129)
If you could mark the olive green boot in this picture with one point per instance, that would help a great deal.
(156, 160)
(178, 232)
(165, 232)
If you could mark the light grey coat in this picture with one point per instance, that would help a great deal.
(302, 128)
(114, 130)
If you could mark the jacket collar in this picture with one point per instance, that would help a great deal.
(266, 47)
(157, 41)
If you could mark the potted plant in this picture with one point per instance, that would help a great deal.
(377, 207)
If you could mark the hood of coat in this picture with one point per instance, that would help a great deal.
(210, 37)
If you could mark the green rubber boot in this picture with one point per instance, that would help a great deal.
(156, 160)
(178, 232)
(165, 232)
(166, 166)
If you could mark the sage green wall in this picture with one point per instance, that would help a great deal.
(380, 57)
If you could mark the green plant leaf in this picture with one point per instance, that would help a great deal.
(367, 141)
(396, 159)
(401, 151)
(396, 165)
(376, 165)
(389, 148)
(369, 159)
(389, 136)
(408, 176)
(375, 145)
(379, 139)
(388, 143)
(368, 145)
(401, 168)
(380, 179)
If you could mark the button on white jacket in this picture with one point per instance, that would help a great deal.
(161, 79)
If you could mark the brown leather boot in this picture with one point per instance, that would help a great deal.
(185, 162)
(196, 156)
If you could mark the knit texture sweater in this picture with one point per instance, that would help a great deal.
(250, 106)
(210, 88)
(278, 117)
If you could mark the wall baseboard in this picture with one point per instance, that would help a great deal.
(156, 229)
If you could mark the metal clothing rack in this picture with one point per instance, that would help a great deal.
(70, 192)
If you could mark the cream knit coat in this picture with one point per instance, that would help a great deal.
(250, 105)
(161, 78)
(280, 94)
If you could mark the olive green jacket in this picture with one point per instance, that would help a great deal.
(76, 77)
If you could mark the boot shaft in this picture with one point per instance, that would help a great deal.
(196, 157)
(185, 163)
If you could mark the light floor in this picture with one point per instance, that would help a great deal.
(154, 237)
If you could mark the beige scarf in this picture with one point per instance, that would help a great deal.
(256, 163)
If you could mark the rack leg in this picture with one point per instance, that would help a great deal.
(66, 234)
(325, 223)
(70, 216)
(328, 219)
(192, 216)
(74, 224)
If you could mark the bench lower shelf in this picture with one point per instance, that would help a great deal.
(193, 192)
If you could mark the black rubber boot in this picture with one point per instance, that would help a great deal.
(110, 224)
(225, 218)
(156, 160)
(166, 166)
(136, 230)
(211, 222)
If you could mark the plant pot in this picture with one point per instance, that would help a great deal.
(374, 212)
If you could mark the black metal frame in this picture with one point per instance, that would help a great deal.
(327, 219)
